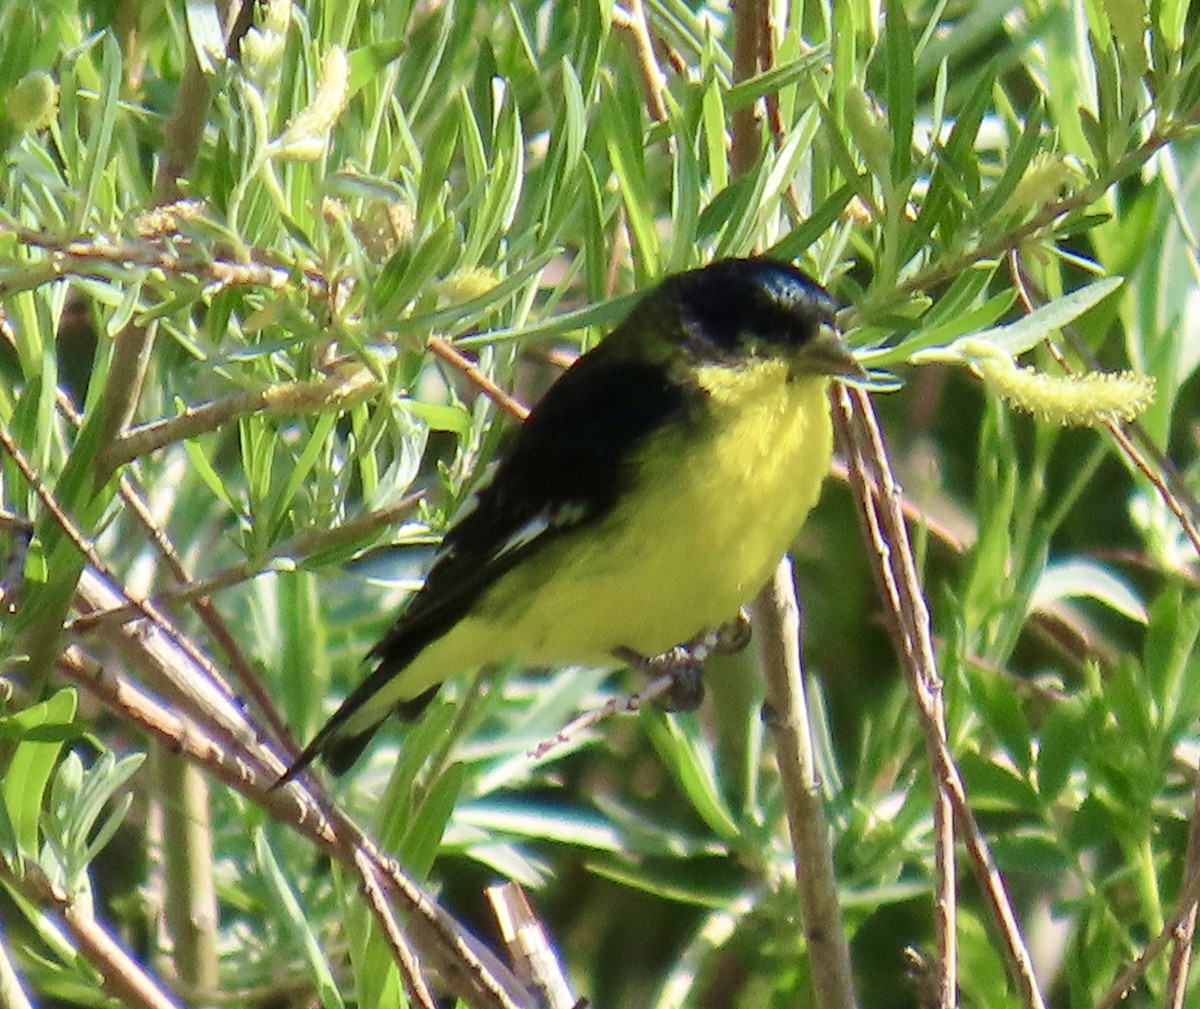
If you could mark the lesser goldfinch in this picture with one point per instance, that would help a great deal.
(649, 494)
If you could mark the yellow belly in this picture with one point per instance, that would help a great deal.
(710, 519)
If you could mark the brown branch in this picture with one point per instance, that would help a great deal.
(121, 976)
(290, 398)
(202, 604)
(878, 499)
(402, 953)
(749, 17)
(529, 947)
(451, 355)
(473, 972)
(654, 82)
(777, 620)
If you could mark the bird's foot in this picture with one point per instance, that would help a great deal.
(681, 667)
(733, 636)
(684, 664)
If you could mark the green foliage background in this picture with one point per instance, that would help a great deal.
(498, 177)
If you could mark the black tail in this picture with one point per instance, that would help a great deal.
(338, 751)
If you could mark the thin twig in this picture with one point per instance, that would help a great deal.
(895, 572)
(1184, 934)
(402, 953)
(244, 672)
(777, 620)
(182, 133)
(1119, 992)
(291, 398)
(121, 976)
(451, 355)
(475, 974)
(878, 498)
(654, 81)
(657, 688)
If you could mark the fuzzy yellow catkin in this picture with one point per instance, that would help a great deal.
(1090, 399)
(167, 219)
(305, 136)
(1046, 178)
(467, 284)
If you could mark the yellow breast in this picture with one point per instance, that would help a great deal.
(713, 511)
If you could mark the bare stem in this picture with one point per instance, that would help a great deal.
(122, 978)
(777, 619)
(878, 498)
(654, 82)
(474, 973)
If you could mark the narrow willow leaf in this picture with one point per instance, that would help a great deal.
(901, 90)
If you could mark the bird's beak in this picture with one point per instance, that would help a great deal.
(827, 354)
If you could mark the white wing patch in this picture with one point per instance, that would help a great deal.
(557, 519)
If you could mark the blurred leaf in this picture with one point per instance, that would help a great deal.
(1080, 578)
(693, 770)
(901, 90)
(995, 787)
(41, 731)
(368, 62)
(296, 921)
(1063, 747)
(617, 116)
(423, 834)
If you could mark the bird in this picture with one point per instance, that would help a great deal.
(648, 495)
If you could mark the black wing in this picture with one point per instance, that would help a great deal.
(564, 468)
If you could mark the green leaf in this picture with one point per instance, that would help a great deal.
(301, 469)
(543, 822)
(797, 241)
(1079, 578)
(1031, 852)
(369, 61)
(207, 472)
(996, 787)
(1031, 141)
(693, 770)
(96, 156)
(42, 729)
(1001, 711)
(1030, 330)
(423, 836)
(685, 190)
(1062, 745)
(619, 118)
(674, 884)
(901, 90)
(293, 916)
(957, 157)
(452, 417)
